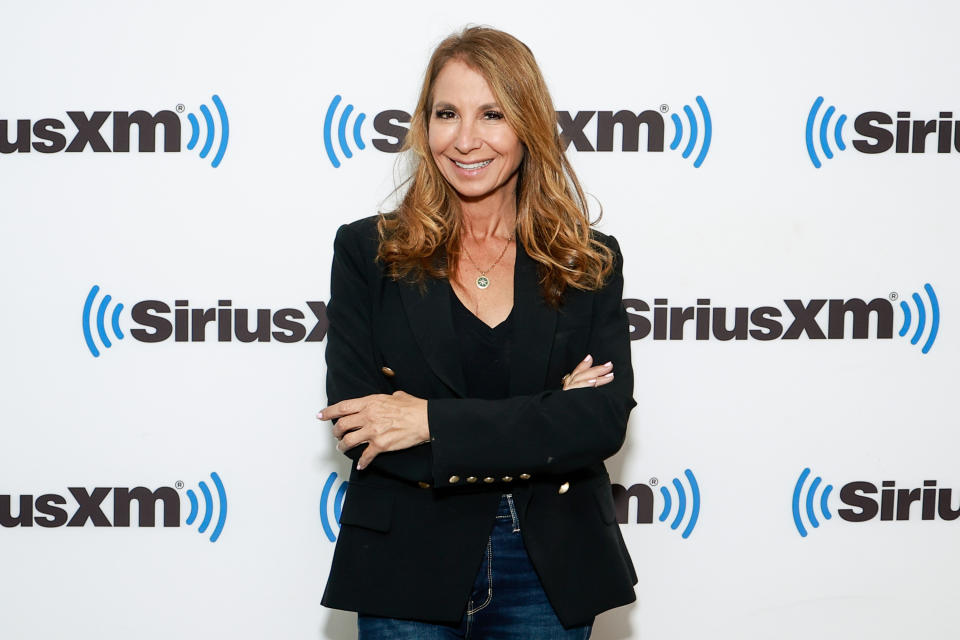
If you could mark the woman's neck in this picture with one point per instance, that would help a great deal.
(482, 220)
(495, 225)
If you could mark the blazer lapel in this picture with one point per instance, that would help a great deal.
(432, 325)
(533, 327)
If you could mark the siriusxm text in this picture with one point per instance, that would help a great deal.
(817, 319)
(586, 130)
(865, 501)
(50, 135)
(905, 135)
(50, 509)
(158, 322)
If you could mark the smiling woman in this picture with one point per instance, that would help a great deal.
(479, 503)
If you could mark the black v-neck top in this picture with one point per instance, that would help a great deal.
(484, 351)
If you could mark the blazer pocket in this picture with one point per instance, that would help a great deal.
(604, 495)
(367, 507)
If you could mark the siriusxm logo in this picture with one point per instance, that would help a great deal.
(343, 130)
(88, 507)
(156, 321)
(209, 508)
(817, 319)
(44, 135)
(811, 502)
(906, 136)
(682, 501)
(331, 504)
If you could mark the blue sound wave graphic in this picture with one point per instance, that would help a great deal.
(810, 502)
(337, 505)
(694, 132)
(921, 311)
(100, 319)
(209, 508)
(824, 132)
(341, 131)
(211, 130)
(681, 500)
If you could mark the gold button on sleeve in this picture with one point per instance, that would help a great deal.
(387, 371)
(472, 479)
(524, 476)
(424, 485)
(507, 478)
(488, 479)
(454, 479)
(564, 488)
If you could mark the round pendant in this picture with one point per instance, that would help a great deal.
(483, 282)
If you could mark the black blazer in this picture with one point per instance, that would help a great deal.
(414, 524)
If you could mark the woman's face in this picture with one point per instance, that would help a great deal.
(474, 147)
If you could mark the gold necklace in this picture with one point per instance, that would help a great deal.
(482, 280)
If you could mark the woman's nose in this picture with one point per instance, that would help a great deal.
(467, 139)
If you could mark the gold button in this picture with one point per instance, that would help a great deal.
(524, 476)
(488, 479)
(454, 479)
(387, 371)
(424, 485)
(472, 479)
(564, 488)
(507, 478)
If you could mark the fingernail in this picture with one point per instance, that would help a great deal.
(360, 466)
(607, 364)
(608, 375)
(589, 357)
(320, 415)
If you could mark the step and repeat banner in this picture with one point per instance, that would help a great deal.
(781, 178)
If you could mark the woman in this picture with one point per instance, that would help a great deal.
(479, 505)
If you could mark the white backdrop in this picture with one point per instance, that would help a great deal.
(754, 225)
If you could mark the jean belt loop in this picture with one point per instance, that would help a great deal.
(513, 512)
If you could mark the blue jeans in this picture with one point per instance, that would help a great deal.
(506, 603)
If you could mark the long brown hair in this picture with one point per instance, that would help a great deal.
(552, 219)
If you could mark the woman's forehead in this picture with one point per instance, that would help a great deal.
(458, 82)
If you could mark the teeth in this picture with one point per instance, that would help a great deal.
(475, 165)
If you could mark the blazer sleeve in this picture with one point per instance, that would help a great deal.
(352, 369)
(551, 432)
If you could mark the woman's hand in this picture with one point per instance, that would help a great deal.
(583, 375)
(385, 422)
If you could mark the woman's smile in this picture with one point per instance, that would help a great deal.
(472, 165)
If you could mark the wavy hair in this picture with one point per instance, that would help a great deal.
(422, 236)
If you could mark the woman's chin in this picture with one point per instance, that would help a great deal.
(472, 195)
(475, 192)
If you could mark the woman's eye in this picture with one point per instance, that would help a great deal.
(444, 114)
(493, 115)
